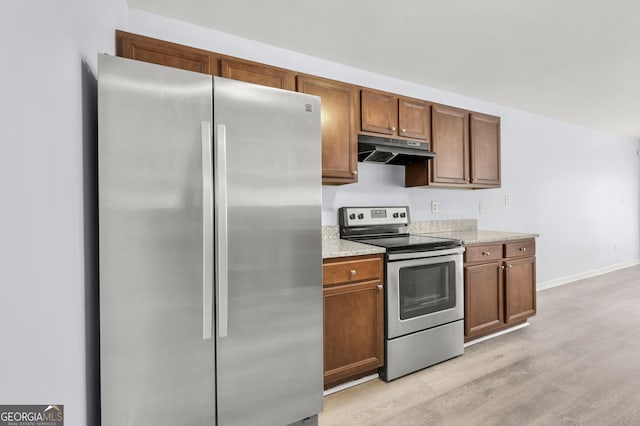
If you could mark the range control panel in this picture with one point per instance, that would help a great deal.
(366, 216)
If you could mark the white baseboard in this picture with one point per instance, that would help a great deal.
(588, 274)
(350, 384)
(499, 333)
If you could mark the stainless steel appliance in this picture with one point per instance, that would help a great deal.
(424, 300)
(210, 248)
(376, 149)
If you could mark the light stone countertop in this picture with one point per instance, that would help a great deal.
(465, 230)
(342, 248)
(480, 236)
(333, 246)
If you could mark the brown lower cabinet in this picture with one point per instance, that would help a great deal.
(499, 286)
(353, 318)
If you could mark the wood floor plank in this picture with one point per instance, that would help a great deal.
(578, 363)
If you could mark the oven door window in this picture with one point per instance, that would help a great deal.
(425, 289)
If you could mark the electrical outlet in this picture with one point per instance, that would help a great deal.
(507, 200)
(434, 207)
(483, 207)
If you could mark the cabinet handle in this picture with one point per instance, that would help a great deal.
(486, 253)
(353, 272)
(207, 232)
(404, 130)
(393, 128)
(379, 286)
(221, 261)
(502, 267)
(509, 266)
(355, 172)
(523, 249)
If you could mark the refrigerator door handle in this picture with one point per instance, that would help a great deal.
(222, 264)
(207, 232)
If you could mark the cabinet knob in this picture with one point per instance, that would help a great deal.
(523, 249)
(509, 266)
(502, 267)
(355, 172)
(404, 130)
(352, 272)
(486, 253)
(393, 128)
(379, 286)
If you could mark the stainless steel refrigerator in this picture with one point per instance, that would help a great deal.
(210, 249)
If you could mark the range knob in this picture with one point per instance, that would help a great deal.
(360, 216)
(352, 216)
(395, 215)
(403, 215)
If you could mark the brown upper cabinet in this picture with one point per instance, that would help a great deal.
(339, 145)
(161, 52)
(485, 150)
(467, 147)
(390, 115)
(256, 73)
(340, 102)
(451, 145)
(414, 119)
(467, 144)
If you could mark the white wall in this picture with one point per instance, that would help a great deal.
(47, 129)
(577, 187)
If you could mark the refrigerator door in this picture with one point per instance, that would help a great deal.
(269, 257)
(157, 364)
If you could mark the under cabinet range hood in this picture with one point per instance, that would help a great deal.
(374, 149)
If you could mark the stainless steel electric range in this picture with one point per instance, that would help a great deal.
(424, 300)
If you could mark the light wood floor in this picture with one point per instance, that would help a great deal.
(578, 363)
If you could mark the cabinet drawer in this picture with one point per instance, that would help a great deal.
(520, 248)
(482, 253)
(344, 271)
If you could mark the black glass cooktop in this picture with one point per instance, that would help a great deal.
(410, 242)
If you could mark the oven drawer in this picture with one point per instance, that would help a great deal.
(482, 253)
(344, 271)
(520, 248)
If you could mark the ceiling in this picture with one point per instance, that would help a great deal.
(574, 60)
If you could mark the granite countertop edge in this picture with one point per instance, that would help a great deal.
(336, 247)
(343, 248)
(482, 236)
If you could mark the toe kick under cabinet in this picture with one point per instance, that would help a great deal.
(353, 318)
(499, 286)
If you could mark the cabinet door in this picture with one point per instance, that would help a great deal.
(483, 298)
(339, 144)
(353, 330)
(161, 52)
(255, 73)
(485, 150)
(414, 119)
(451, 145)
(379, 112)
(521, 288)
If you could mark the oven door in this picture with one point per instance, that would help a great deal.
(424, 290)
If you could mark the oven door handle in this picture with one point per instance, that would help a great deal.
(424, 254)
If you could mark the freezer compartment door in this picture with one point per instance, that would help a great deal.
(268, 227)
(157, 348)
